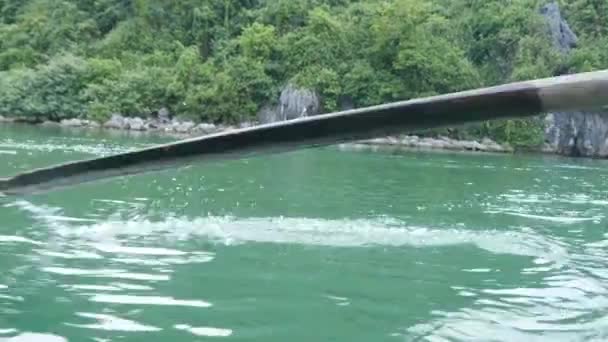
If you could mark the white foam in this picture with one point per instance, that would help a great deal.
(578, 167)
(136, 261)
(113, 323)
(556, 219)
(147, 300)
(138, 250)
(478, 270)
(95, 149)
(32, 337)
(557, 309)
(14, 298)
(166, 261)
(340, 301)
(546, 199)
(307, 231)
(20, 239)
(74, 255)
(204, 331)
(95, 287)
(199, 259)
(133, 287)
(334, 233)
(586, 201)
(59, 218)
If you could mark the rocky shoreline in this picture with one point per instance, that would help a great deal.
(414, 142)
(166, 126)
(184, 128)
(154, 125)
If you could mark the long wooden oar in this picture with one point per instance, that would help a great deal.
(572, 92)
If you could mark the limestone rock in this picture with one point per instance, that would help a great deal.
(183, 127)
(164, 116)
(562, 36)
(93, 124)
(117, 121)
(439, 143)
(137, 124)
(246, 124)
(205, 128)
(293, 103)
(151, 124)
(268, 114)
(579, 133)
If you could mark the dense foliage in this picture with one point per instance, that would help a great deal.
(221, 60)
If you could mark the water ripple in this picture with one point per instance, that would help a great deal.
(336, 233)
(106, 273)
(112, 323)
(34, 337)
(12, 238)
(147, 300)
(204, 331)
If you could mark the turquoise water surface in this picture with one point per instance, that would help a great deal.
(315, 245)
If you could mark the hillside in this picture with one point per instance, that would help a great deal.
(222, 60)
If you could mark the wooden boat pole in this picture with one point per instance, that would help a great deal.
(571, 92)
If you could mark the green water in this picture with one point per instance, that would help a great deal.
(318, 245)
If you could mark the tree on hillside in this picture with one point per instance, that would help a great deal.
(222, 60)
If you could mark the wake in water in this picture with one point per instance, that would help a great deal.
(567, 301)
(105, 235)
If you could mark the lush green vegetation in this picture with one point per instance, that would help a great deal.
(221, 60)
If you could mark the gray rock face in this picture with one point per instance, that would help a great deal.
(151, 124)
(268, 114)
(246, 124)
(137, 124)
(93, 124)
(205, 128)
(580, 134)
(71, 123)
(164, 116)
(293, 103)
(117, 121)
(563, 37)
(183, 127)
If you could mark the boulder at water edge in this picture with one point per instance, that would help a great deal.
(117, 121)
